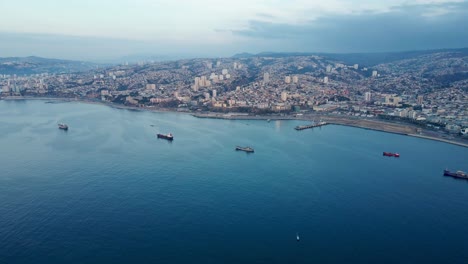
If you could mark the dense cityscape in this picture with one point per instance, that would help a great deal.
(271, 131)
(429, 90)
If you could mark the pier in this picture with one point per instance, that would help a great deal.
(319, 124)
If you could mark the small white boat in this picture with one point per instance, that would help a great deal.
(297, 237)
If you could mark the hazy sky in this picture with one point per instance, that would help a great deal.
(104, 29)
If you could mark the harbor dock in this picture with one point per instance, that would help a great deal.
(319, 124)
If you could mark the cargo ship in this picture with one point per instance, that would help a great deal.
(166, 136)
(390, 154)
(458, 174)
(63, 126)
(246, 149)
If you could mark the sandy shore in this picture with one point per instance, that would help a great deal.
(373, 124)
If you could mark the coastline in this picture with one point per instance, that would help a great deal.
(371, 124)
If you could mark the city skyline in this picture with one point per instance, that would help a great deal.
(107, 30)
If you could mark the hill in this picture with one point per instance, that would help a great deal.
(36, 65)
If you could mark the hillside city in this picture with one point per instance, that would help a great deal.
(430, 90)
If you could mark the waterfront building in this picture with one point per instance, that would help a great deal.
(374, 74)
(356, 66)
(392, 100)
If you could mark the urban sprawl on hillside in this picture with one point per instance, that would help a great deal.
(429, 90)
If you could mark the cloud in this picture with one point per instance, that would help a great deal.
(208, 28)
(405, 27)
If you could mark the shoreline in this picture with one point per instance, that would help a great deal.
(370, 124)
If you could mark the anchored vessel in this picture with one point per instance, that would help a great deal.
(458, 174)
(63, 126)
(166, 136)
(319, 124)
(246, 149)
(390, 154)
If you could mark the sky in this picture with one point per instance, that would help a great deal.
(109, 29)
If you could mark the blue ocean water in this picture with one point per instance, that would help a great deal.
(108, 191)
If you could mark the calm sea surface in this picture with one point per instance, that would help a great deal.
(108, 191)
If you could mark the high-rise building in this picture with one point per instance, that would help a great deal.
(374, 73)
(295, 79)
(266, 77)
(235, 65)
(367, 96)
(224, 71)
(284, 96)
(287, 79)
(228, 76)
(203, 81)
(221, 77)
(329, 68)
(218, 63)
(209, 65)
(356, 66)
(214, 93)
(420, 99)
(325, 79)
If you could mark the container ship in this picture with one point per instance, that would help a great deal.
(457, 174)
(63, 126)
(246, 149)
(166, 136)
(390, 154)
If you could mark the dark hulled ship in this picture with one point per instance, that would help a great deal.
(166, 136)
(457, 174)
(63, 126)
(246, 149)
